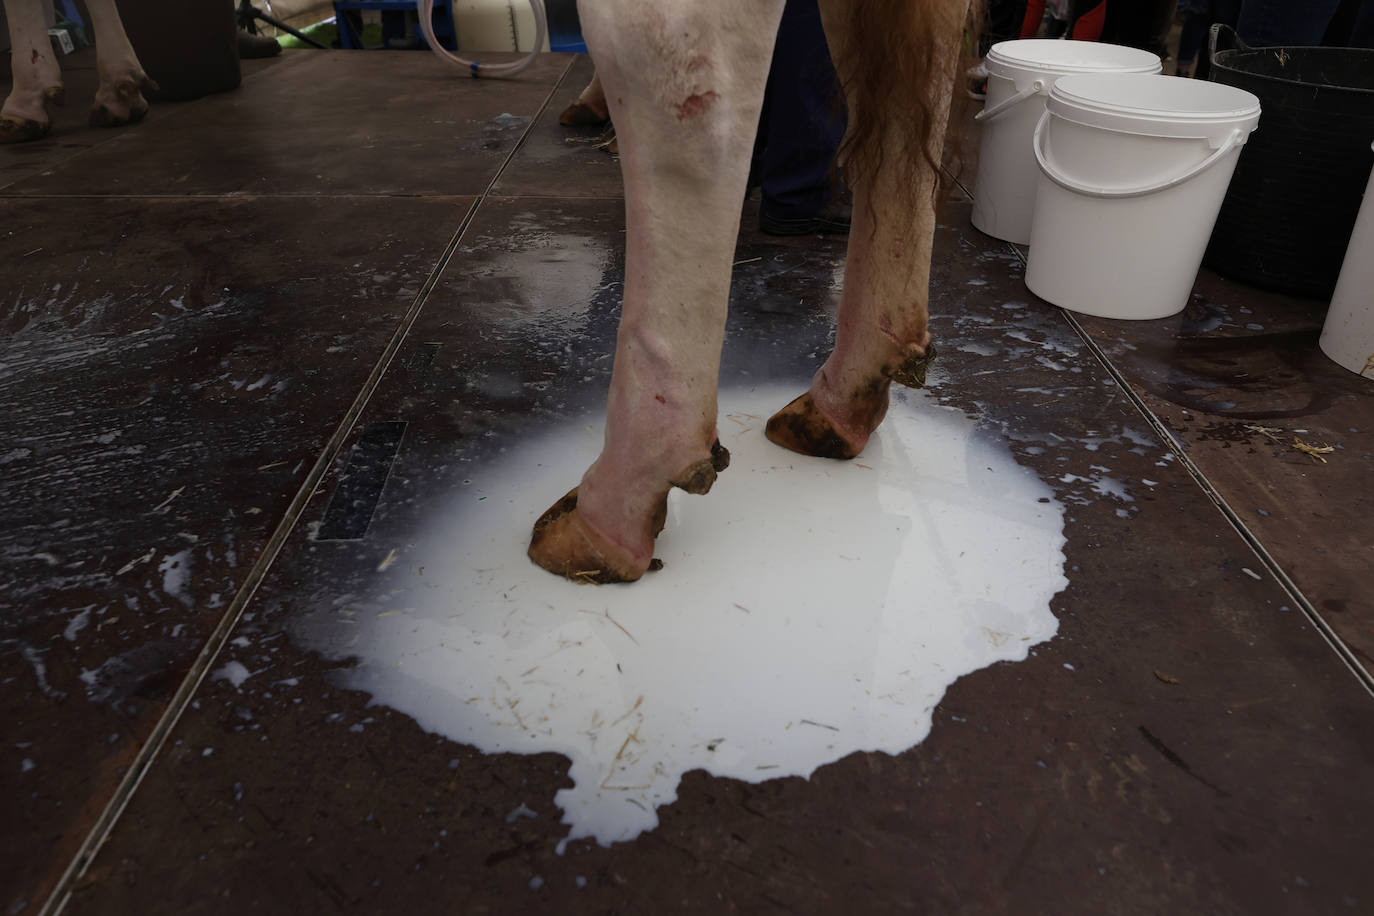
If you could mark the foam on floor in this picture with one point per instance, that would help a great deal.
(807, 609)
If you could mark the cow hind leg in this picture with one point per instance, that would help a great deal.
(27, 111)
(119, 98)
(897, 60)
(684, 85)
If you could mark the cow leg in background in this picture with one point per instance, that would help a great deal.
(119, 100)
(27, 112)
(881, 334)
(684, 81)
(589, 109)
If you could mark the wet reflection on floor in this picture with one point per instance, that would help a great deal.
(807, 609)
(1185, 741)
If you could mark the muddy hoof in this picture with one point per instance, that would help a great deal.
(802, 428)
(22, 131)
(567, 546)
(912, 373)
(103, 116)
(123, 103)
(608, 142)
(17, 128)
(579, 114)
(700, 476)
(720, 456)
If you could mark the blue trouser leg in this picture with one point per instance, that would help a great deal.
(803, 120)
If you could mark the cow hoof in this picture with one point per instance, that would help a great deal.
(580, 114)
(117, 116)
(801, 427)
(16, 130)
(912, 371)
(608, 141)
(18, 125)
(700, 476)
(565, 545)
(122, 103)
(805, 428)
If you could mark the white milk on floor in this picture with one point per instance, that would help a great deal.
(807, 609)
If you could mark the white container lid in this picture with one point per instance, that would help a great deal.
(1041, 56)
(1154, 105)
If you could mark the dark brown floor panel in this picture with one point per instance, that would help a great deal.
(559, 161)
(340, 123)
(170, 371)
(71, 135)
(1241, 383)
(1185, 744)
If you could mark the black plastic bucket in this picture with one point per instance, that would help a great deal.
(1292, 203)
(190, 48)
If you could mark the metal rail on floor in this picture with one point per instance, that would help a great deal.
(148, 754)
(1314, 617)
(1161, 429)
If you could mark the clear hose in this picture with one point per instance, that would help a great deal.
(541, 28)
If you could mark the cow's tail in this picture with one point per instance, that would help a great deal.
(899, 63)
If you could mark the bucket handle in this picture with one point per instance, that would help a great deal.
(987, 114)
(1233, 41)
(1059, 178)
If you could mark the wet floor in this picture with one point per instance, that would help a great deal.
(1085, 628)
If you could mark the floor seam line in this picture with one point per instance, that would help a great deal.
(1337, 645)
(219, 637)
(529, 128)
(1266, 559)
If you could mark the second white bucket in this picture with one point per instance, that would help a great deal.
(1133, 169)
(1020, 75)
(1348, 334)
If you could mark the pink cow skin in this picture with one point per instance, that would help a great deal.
(683, 82)
(27, 112)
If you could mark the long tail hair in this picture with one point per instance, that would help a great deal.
(896, 61)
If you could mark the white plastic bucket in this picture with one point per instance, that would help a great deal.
(1348, 335)
(1020, 74)
(1133, 169)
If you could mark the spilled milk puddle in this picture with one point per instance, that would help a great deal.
(807, 609)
